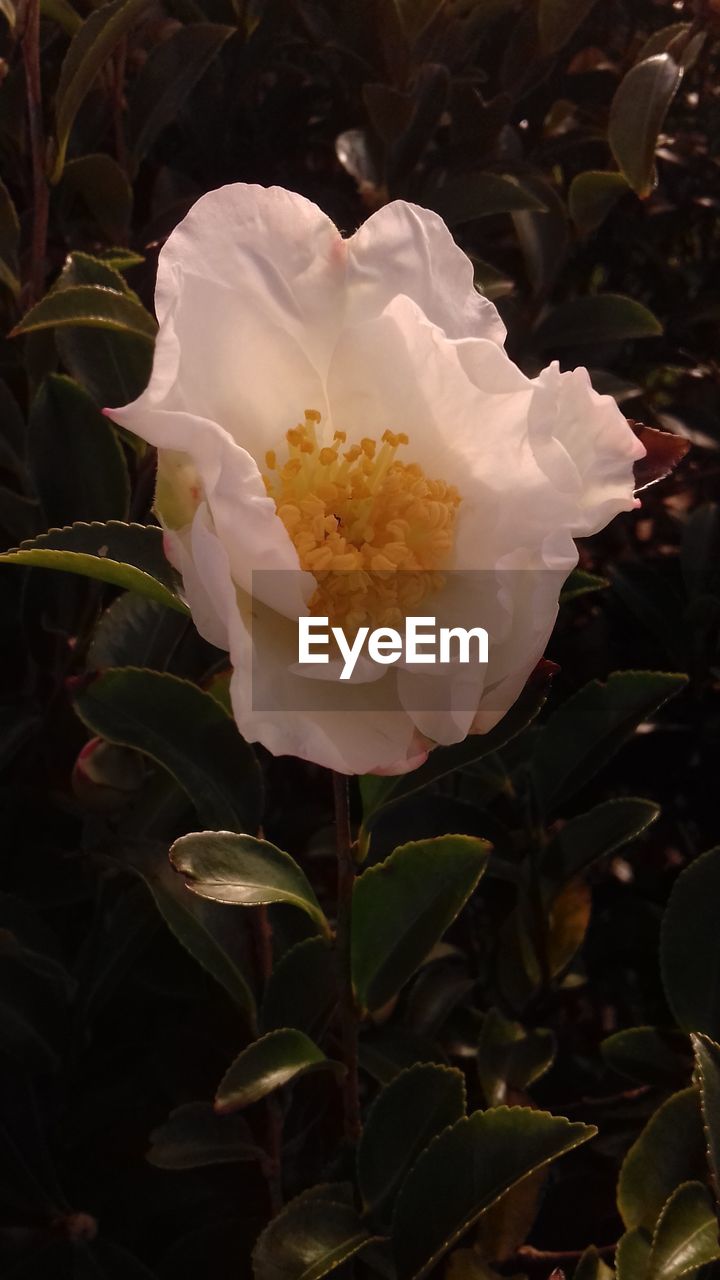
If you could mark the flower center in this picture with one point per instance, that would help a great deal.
(373, 531)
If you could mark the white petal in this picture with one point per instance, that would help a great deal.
(277, 250)
(243, 515)
(404, 249)
(601, 444)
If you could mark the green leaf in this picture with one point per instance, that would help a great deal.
(464, 197)
(9, 241)
(302, 989)
(592, 1267)
(170, 73)
(592, 196)
(670, 1150)
(309, 1238)
(402, 907)
(637, 113)
(511, 1056)
(678, 40)
(78, 466)
(244, 871)
(184, 917)
(186, 731)
(691, 974)
(130, 556)
(95, 306)
(464, 1171)
(405, 1116)
(649, 1055)
(377, 792)
(269, 1063)
(581, 583)
(632, 1256)
(582, 841)
(88, 53)
(62, 12)
(194, 1136)
(603, 317)
(586, 731)
(686, 1236)
(707, 1065)
(105, 191)
(558, 20)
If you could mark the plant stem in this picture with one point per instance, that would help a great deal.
(347, 1008)
(31, 59)
(272, 1164)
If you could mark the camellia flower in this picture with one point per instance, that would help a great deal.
(342, 434)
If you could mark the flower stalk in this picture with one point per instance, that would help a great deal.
(347, 1006)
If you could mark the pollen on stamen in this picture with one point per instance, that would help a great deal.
(357, 518)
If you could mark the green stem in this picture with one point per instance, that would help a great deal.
(347, 1007)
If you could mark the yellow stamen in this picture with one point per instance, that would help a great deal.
(356, 521)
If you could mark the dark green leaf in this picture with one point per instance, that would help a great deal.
(186, 920)
(308, 1239)
(379, 792)
(686, 1236)
(195, 1135)
(604, 317)
(592, 196)
(244, 871)
(130, 556)
(62, 12)
(636, 117)
(580, 583)
(511, 1057)
(586, 731)
(558, 20)
(302, 988)
(406, 1115)
(464, 1171)
(691, 973)
(592, 1267)
(105, 191)
(77, 464)
(632, 1257)
(464, 197)
(269, 1063)
(88, 53)
(580, 842)
(170, 73)
(186, 731)
(9, 241)
(402, 907)
(670, 1150)
(90, 305)
(707, 1063)
(649, 1055)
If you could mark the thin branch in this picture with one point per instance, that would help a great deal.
(347, 1008)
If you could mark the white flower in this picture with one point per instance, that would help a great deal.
(265, 311)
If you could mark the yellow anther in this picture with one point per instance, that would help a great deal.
(355, 523)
